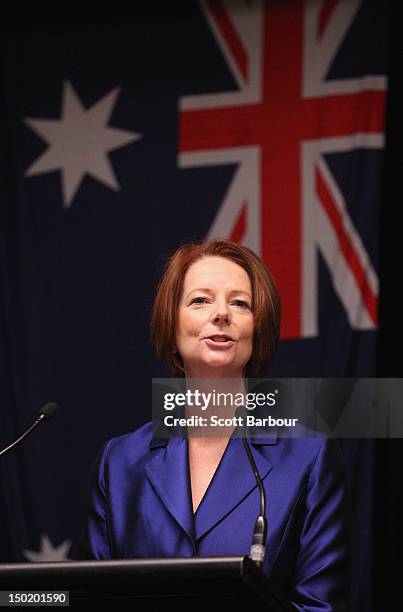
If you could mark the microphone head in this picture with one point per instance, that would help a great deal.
(49, 410)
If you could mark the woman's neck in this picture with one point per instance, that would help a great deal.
(210, 400)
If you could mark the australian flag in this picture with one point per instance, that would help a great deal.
(258, 121)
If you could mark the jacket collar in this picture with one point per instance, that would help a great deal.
(168, 472)
(233, 481)
(160, 441)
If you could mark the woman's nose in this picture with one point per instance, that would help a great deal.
(221, 313)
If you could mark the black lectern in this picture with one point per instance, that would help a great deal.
(143, 582)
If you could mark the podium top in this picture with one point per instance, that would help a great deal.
(147, 578)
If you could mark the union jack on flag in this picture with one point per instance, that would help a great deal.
(297, 104)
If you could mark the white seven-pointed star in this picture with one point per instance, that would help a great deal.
(79, 142)
(47, 552)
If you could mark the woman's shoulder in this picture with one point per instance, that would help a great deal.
(312, 452)
(133, 444)
(301, 447)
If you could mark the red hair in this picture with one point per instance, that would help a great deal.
(266, 305)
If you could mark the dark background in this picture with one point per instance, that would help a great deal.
(389, 453)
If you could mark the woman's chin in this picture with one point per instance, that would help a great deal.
(214, 368)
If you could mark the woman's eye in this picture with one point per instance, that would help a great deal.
(200, 300)
(241, 303)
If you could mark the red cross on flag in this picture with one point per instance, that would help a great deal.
(289, 111)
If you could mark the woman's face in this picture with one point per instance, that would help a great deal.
(214, 333)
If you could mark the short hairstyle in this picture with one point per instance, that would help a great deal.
(266, 305)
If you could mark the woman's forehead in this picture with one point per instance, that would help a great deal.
(213, 270)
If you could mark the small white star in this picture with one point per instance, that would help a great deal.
(79, 142)
(47, 552)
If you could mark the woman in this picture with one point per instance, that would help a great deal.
(217, 316)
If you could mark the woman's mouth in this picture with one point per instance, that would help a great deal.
(219, 341)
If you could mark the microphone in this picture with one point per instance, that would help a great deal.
(46, 412)
(258, 547)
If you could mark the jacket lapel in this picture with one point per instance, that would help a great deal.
(231, 483)
(168, 473)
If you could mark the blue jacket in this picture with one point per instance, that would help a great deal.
(141, 507)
